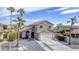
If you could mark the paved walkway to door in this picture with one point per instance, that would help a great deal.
(55, 45)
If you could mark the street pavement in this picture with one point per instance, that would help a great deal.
(74, 43)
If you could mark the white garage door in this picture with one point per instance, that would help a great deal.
(46, 35)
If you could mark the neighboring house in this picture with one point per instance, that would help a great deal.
(37, 30)
(1, 31)
(1, 28)
(74, 33)
(61, 26)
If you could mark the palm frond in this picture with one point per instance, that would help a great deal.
(15, 20)
(11, 9)
(21, 11)
(73, 20)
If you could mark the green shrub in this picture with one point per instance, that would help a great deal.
(5, 26)
(12, 36)
(5, 36)
(1, 40)
(61, 37)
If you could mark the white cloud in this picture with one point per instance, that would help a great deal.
(70, 11)
(5, 12)
(31, 9)
(62, 8)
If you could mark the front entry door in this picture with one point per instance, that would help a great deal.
(32, 34)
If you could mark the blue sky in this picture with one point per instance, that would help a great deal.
(54, 15)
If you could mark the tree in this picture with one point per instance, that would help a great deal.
(72, 21)
(11, 9)
(19, 22)
(5, 27)
(21, 12)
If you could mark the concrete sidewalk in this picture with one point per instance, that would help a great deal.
(55, 45)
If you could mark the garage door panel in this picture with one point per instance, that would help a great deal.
(44, 36)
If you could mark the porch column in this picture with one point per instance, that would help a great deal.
(23, 34)
(75, 35)
(30, 34)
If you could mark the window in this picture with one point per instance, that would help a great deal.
(49, 27)
(41, 26)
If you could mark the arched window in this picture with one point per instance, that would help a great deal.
(41, 26)
(49, 27)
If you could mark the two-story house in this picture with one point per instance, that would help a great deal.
(37, 30)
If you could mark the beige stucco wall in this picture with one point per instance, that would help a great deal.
(45, 27)
(1, 36)
(1, 28)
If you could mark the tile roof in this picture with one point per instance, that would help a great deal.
(75, 31)
(39, 22)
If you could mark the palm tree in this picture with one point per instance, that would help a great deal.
(11, 9)
(72, 21)
(19, 22)
(21, 11)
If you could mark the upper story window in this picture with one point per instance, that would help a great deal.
(49, 27)
(41, 26)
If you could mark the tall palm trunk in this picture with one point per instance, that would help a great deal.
(11, 21)
(70, 35)
(72, 21)
(70, 39)
(18, 36)
(10, 29)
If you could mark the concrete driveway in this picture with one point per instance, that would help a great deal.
(28, 45)
(31, 45)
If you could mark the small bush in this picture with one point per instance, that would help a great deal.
(5, 36)
(12, 36)
(1, 40)
(61, 37)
